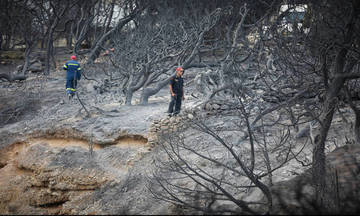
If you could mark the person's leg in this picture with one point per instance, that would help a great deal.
(68, 85)
(177, 105)
(74, 87)
(171, 105)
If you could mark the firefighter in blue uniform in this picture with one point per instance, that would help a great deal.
(73, 74)
(177, 92)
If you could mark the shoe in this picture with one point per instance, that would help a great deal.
(69, 96)
(170, 114)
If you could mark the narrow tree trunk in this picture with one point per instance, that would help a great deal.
(95, 52)
(319, 172)
(129, 91)
(148, 92)
(357, 117)
(69, 40)
(357, 127)
(128, 98)
(318, 166)
(11, 78)
(29, 46)
(48, 50)
(1, 40)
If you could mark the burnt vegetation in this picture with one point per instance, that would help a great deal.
(279, 68)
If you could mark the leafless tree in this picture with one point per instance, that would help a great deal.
(320, 58)
(213, 172)
(131, 9)
(154, 46)
(299, 69)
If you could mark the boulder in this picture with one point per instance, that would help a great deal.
(43, 178)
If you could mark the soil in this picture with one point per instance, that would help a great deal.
(43, 114)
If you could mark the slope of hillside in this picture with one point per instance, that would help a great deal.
(58, 158)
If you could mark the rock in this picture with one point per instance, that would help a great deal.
(190, 116)
(298, 193)
(224, 107)
(50, 176)
(35, 67)
(19, 68)
(153, 129)
(304, 132)
(208, 107)
(164, 127)
(173, 120)
(216, 106)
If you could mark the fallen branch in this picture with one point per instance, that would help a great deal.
(11, 78)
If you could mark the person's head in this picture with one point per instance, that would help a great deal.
(179, 71)
(73, 57)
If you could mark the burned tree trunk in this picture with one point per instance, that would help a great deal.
(11, 78)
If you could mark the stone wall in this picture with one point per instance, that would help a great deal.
(169, 125)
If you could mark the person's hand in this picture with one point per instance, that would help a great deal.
(172, 94)
(183, 97)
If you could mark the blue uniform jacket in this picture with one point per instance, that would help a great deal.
(71, 68)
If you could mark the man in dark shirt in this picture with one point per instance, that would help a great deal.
(177, 92)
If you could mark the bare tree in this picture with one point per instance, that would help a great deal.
(212, 172)
(321, 58)
(132, 10)
(154, 46)
(294, 67)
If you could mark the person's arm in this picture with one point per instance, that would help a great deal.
(170, 87)
(183, 94)
(78, 73)
(65, 66)
(171, 90)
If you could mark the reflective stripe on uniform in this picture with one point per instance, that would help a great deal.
(65, 66)
(79, 68)
(73, 64)
(71, 89)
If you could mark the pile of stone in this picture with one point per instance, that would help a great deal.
(169, 125)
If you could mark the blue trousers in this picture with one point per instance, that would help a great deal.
(71, 84)
(175, 101)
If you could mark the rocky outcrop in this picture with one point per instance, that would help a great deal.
(297, 195)
(49, 178)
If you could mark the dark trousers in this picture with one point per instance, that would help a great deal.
(176, 100)
(71, 84)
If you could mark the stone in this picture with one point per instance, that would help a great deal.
(35, 67)
(216, 106)
(164, 127)
(152, 130)
(208, 107)
(19, 68)
(190, 116)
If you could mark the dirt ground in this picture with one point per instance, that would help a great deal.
(36, 111)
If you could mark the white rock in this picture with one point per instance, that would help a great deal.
(190, 116)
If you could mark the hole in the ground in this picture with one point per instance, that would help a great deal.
(9, 154)
(2, 164)
(53, 204)
(131, 141)
(58, 142)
